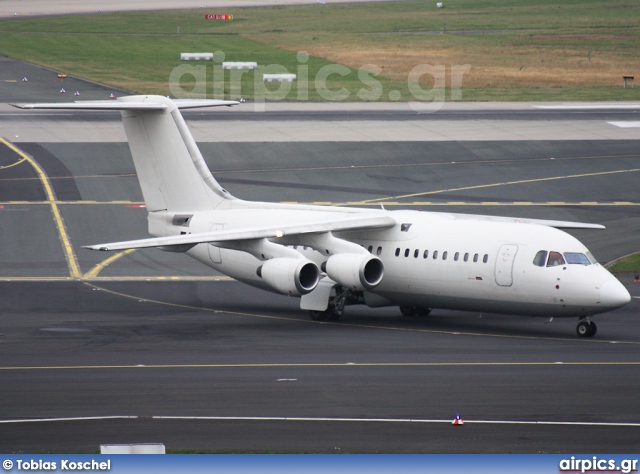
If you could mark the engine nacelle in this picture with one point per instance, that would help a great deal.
(290, 276)
(355, 271)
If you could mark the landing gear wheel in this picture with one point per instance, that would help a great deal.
(411, 311)
(586, 328)
(408, 311)
(329, 314)
(318, 315)
(333, 313)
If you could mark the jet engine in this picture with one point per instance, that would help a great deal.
(354, 271)
(290, 276)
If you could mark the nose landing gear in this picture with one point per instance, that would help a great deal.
(586, 328)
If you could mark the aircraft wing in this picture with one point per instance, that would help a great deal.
(360, 222)
(127, 105)
(523, 220)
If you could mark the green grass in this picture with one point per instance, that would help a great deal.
(517, 50)
(627, 264)
(144, 64)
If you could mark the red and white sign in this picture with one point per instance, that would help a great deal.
(211, 16)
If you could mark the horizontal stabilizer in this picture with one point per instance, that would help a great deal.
(363, 222)
(127, 105)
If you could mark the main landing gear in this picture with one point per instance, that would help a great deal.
(586, 328)
(411, 311)
(335, 308)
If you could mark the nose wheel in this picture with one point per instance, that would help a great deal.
(586, 328)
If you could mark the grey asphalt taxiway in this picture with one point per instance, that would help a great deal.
(148, 346)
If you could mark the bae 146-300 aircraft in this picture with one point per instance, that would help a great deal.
(336, 256)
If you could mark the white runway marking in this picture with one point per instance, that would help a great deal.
(587, 107)
(321, 419)
(626, 124)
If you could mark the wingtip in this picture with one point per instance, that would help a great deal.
(96, 247)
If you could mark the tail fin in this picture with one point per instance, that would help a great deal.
(172, 173)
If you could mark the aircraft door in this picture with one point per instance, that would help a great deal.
(504, 264)
(214, 252)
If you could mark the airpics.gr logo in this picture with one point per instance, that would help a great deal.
(625, 466)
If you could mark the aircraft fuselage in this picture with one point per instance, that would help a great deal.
(435, 260)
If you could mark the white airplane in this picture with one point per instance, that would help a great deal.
(337, 256)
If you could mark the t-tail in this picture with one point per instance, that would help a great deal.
(172, 172)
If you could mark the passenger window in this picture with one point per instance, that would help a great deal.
(475, 258)
(485, 259)
(379, 251)
(416, 253)
(444, 255)
(574, 258)
(398, 252)
(370, 249)
(455, 257)
(426, 254)
(435, 254)
(555, 259)
(406, 252)
(466, 257)
(540, 258)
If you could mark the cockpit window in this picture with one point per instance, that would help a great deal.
(592, 258)
(555, 259)
(540, 259)
(576, 258)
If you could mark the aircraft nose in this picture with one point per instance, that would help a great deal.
(613, 294)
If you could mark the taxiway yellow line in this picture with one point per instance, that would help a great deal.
(417, 165)
(72, 261)
(22, 160)
(118, 278)
(100, 266)
(479, 204)
(359, 326)
(352, 203)
(75, 178)
(356, 167)
(66, 203)
(508, 183)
